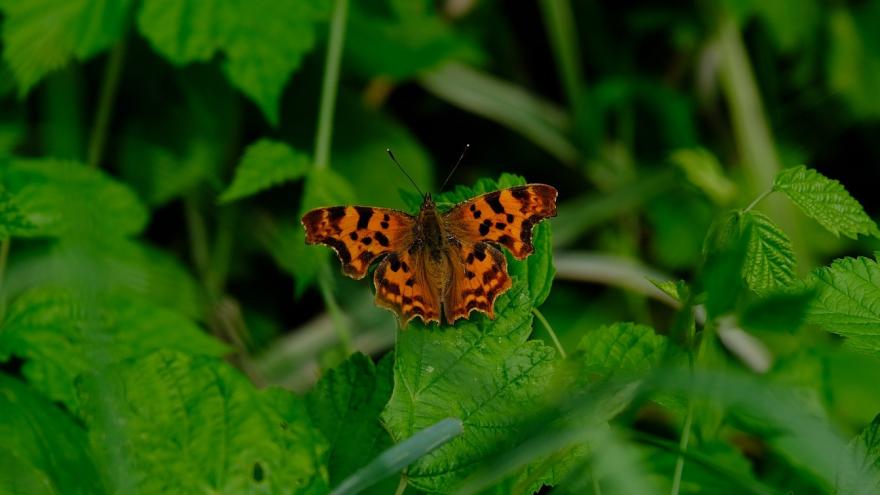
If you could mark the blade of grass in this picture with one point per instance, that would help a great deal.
(507, 104)
(109, 86)
(393, 460)
(560, 27)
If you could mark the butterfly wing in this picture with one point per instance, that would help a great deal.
(404, 286)
(505, 217)
(358, 234)
(478, 274)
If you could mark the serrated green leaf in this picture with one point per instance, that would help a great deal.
(40, 36)
(114, 266)
(866, 450)
(13, 223)
(265, 163)
(67, 199)
(627, 348)
(172, 423)
(703, 170)
(777, 311)
(262, 41)
(769, 262)
(825, 201)
(345, 406)
(43, 451)
(61, 334)
(481, 371)
(848, 298)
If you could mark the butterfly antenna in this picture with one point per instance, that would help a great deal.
(460, 158)
(393, 159)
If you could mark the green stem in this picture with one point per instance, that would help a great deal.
(198, 240)
(757, 200)
(4, 256)
(550, 331)
(560, 26)
(109, 86)
(329, 86)
(682, 447)
(340, 324)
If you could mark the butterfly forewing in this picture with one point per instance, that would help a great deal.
(505, 217)
(359, 234)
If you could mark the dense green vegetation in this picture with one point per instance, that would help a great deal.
(703, 316)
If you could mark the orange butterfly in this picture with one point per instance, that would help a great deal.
(435, 257)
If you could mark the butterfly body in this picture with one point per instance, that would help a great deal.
(435, 259)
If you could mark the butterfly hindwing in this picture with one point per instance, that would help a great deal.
(404, 286)
(478, 276)
(505, 217)
(358, 234)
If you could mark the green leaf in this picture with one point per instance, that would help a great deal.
(114, 266)
(783, 311)
(13, 223)
(626, 348)
(703, 170)
(866, 450)
(481, 371)
(396, 458)
(725, 251)
(848, 298)
(826, 201)
(401, 39)
(40, 36)
(66, 199)
(263, 41)
(769, 262)
(61, 334)
(265, 163)
(172, 423)
(345, 406)
(852, 72)
(43, 451)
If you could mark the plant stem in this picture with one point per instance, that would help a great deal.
(682, 446)
(757, 200)
(560, 27)
(4, 256)
(550, 331)
(331, 81)
(109, 86)
(198, 239)
(339, 322)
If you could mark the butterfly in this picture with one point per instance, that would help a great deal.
(449, 259)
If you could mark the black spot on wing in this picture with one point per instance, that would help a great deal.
(521, 193)
(480, 251)
(383, 241)
(366, 241)
(494, 201)
(336, 212)
(353, 236)
(364, 215)
(484, 229)
(383, 224)
(500, 225)
(393, 262)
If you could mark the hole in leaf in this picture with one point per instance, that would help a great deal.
(258, 472)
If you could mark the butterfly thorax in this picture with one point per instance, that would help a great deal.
(429, 233)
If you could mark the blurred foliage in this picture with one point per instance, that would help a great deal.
(703, 316)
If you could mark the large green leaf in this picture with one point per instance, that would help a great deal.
(825, 201)
(769, 262)
(345, 406)
(262, 41)
(40, 36)
(171, 423)
(43, 450)
(265, 163)
(115, 266)
(848, 299)
(67, 199)
(62, 334)
(621, 348)
(480, 371)
(866, 449)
